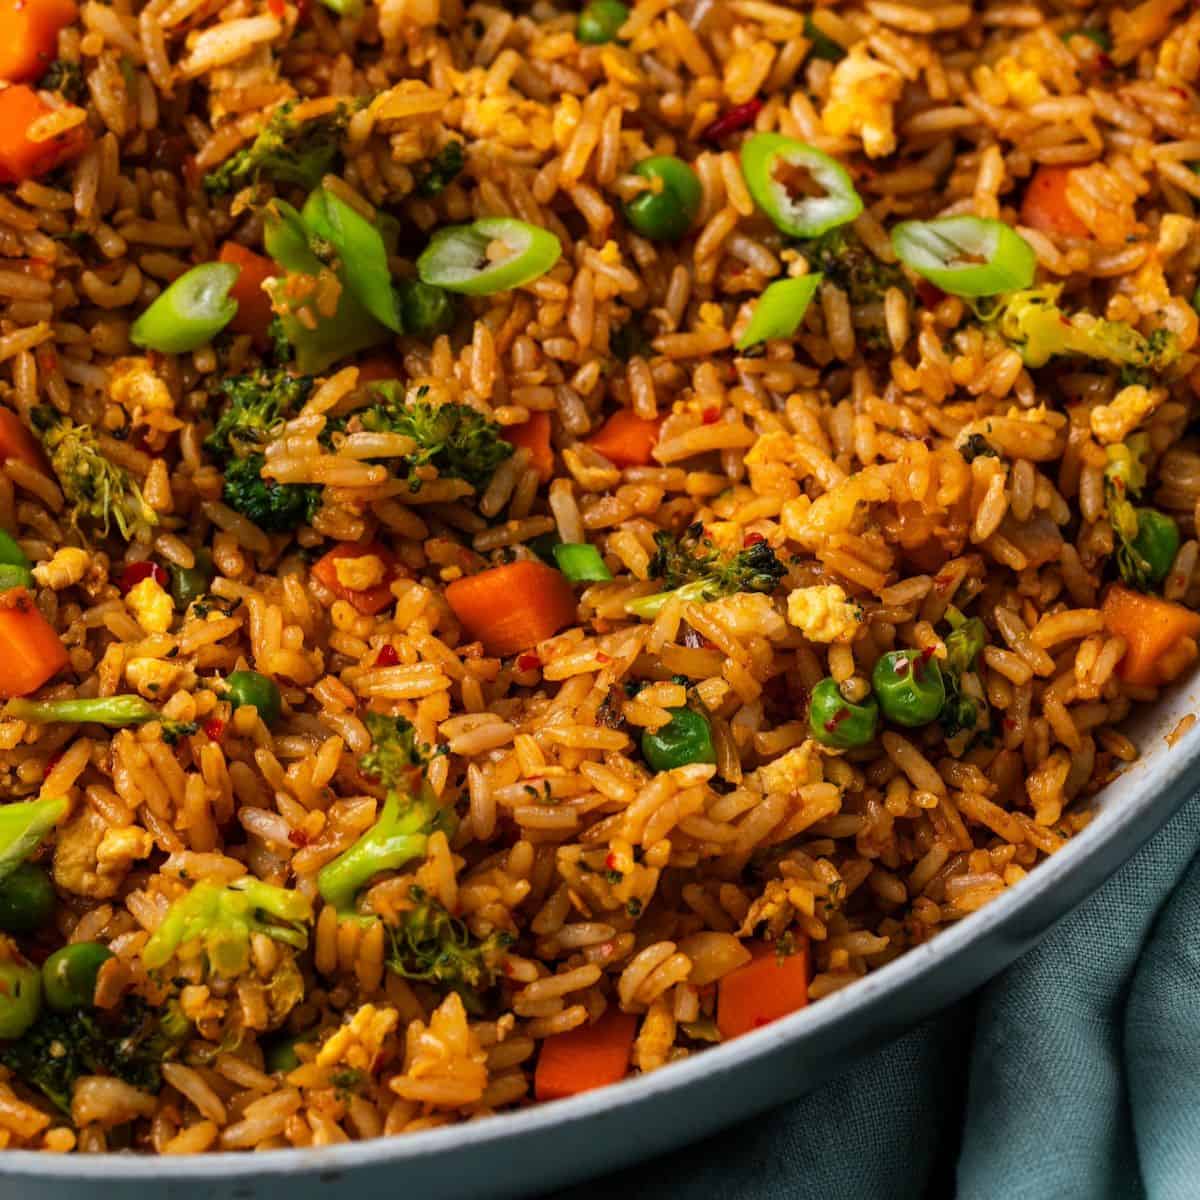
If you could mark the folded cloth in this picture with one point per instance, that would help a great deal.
(1081, 1079)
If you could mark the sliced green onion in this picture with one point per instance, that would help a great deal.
(966, 256)
(361, 249)
(581, 563)
(779, 310)
(190, 313)
(11, 552)
(12, 576)
(113, 711)
(763, 157)
(458, 258)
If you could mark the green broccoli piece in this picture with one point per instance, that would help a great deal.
(285, 151)
(257, 406)
(963, 646)
(65, 78)
(1124, 478)
(459, 441)
(117, 712)
(842, 257)
(410, 813)
(272, 506)
(442, 169)
(97, 489)
(975, 446)
(1032, 321)
(131, 1042)
(434, 947)
(693, 568)
(223, 919)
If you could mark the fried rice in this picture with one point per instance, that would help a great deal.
(898, 453)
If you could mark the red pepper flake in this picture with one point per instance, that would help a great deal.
(710, 416)
(927, 653)
(213, 728)
(52, 762)
(47, 360)
(601, 657)
(734, 121)
(929, 294)
(298, 838)
(387, 656)
(277, 8)
(610, 861)
(752, 539)
(528, 661)
(135, 572)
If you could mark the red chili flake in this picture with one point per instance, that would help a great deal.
(838, 717)
(135, 572)
(47, 360)
(929, 294)
(602, 657)
(710, 416)
(213, 728)
(610, 861)
(387, 656)
(298, 838)
(752, 539)
(927, 653)
(736, 119)
(51, 762)
(277, 7)
(528, 661)
(942, 582)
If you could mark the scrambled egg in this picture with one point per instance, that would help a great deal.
(133, 384)
(151, 606)
(120, 847)
(1129, 408)
(791, 771)
(358, 574)
(152, 677)
(823, 613)
(65, 569)
(358, 1043)
(862, 99)
(1023, 84)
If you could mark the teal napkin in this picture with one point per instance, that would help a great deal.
(1076, 1073)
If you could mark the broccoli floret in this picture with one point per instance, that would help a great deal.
(272, 506)
(841, 256)
(131, 1042)
(285, 151)
(410, 813)
(443, 168)
(1032, 321)
(430, 945)
(97, 489)
(65, 78)
(257, 405)
(693, 568)
(977, 446)
(282, 350)
(454, 438)
(960, 712)
(117, 712)
(222, 920)
(1124, 478)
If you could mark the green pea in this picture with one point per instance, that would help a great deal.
(249, 687)
(909, 688)
(1157, 542)
(666, 211)
(834, 721)
(190, 583)
(69, 975)
(11, 553)
(685, 738)
(27, 899)
(20, 998)
(601, 21)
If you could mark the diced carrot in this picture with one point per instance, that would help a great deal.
(534, 435)
(254, 313)
(768, 987)
(1045, 206)
(585, 1058)
(22, 158)
(513, 607)
(378, 368)
(1151, 627)
(17, 442)
(30, 651)
(29, 32)
(369, 600)
(626, 439)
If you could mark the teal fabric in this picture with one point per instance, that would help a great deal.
(1075, 1074)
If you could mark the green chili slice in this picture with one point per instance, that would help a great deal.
(581, 562)
(777, 169)
(492, 255)
(779, 310)
(966, 256)
(190, 313)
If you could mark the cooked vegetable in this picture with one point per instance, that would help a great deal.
(27, 899)
(961, 712)
(601, 21)
(773, 985)
(257, 405)
(580, 562)
(626, 439)
(843, 258)
(1035, 324)
(666, 210)
(16, 442)
(116, 712)
(693, 568)
(534, 435)
(442, 169)
(272, 506)
(24, 825)
(191, 312)
(1045, 206)
(69, 975)
(13, 577)
(22, 158)
(30, 650)
(11, 554)
(779, 310)
(285, 151)
(966, 256)
(585, 1058)
(254, 314)
(254, 689)
(20, 996)
(65, 78)
(220, 920)
(410, 813)
(29, 40)
(495, 254)
(908, 686)
(1146, 539)
(834, 721)
(685, 738)
(824, 47)
(97, 489)
(777, 170)
(1151, 627)
(425, 310)
(190, 583)
(371, 598)
(512, 607)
